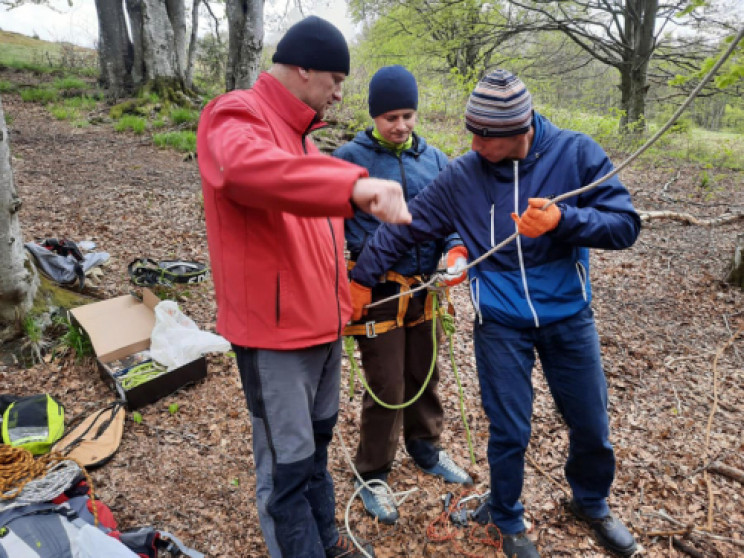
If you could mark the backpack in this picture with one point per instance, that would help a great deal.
(33, 423)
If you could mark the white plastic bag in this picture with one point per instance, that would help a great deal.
(176, 340)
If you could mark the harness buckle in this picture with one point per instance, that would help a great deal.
(369, 329)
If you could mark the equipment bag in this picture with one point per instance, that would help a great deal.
(94, 440)
(33, 423)
(145, 272)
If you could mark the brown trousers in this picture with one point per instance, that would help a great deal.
(396, 364)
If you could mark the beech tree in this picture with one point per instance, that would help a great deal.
(245, 19)
(18, 279)
(152, 56)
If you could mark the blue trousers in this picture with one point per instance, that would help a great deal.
(570, 358)
(293, 401)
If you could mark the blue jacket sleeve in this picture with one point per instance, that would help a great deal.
(431, 220)
(603, 217)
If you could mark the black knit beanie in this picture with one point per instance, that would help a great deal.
(392, 88)
(314, 44)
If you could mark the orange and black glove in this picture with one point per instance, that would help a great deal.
(534, 221)
(457, 259)
(360, 297)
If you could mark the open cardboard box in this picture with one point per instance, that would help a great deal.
(122, 326)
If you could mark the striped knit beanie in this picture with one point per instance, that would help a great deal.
(499, 106)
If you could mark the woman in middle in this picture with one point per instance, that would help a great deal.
(395, 338)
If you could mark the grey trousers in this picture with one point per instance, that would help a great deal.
(293, 401)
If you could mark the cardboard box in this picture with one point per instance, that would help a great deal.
(120, 327)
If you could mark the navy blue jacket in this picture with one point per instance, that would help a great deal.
(529, 282)
(415, 168)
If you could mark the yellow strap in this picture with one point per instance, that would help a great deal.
(371, 328)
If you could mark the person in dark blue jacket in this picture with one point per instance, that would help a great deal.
(533, 295)
(395, 339)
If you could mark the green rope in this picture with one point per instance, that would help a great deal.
(140, 374)
(448, 325)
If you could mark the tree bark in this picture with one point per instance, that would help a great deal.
(192, 43)
(18, 280)
(736, 277)
(246, 32)
(640, 22)
(115, 53)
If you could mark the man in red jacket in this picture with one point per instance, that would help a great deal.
(274, 209)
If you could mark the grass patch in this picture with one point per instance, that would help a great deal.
(39, 95)
(6, 86)
(136, 124)
(181, 115)
(63, 113)
(68, 83)
(180, 141)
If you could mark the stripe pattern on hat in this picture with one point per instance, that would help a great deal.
(499, 106)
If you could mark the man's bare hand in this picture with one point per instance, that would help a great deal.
(381, 198)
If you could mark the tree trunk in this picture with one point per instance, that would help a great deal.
(736, 277)
(640, 19)
(18, 281)
(246, 32)
(192, 43)
(115, 54)
(136, 24)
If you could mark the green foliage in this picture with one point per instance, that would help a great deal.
(68, 83)
(136, 124)
(6, 86)
(173, 408)
(39, 95)
(181, 141)
(137, 417)
(74, 338)
(182, 115)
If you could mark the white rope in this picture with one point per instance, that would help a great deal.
(438, 277)
(373, 485)
(58, 478)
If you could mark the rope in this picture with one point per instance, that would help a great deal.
(349, 348)
(27, 480)
(448, 326)
(439, 277)
(373, 485)
(441, 530)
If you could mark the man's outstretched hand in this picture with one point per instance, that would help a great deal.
(381, 198)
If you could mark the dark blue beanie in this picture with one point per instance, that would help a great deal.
(313, 44)
(392, 88)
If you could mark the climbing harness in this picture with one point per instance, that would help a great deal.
(145, 272)
(436, 278)
(446, 320)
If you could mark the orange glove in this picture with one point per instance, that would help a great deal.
(360, 297)
(534, 221)
(457, 259)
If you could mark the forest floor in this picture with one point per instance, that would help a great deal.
(670, 327)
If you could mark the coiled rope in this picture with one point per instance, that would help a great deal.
(27, 480)
(439, 277)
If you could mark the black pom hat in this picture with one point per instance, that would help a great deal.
(314, 44)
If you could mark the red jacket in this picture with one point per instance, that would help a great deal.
(277, 257)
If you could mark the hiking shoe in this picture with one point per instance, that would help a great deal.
(610, 531)
(378, 503)
(344, 547)
(517, 545)
(449, 470)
